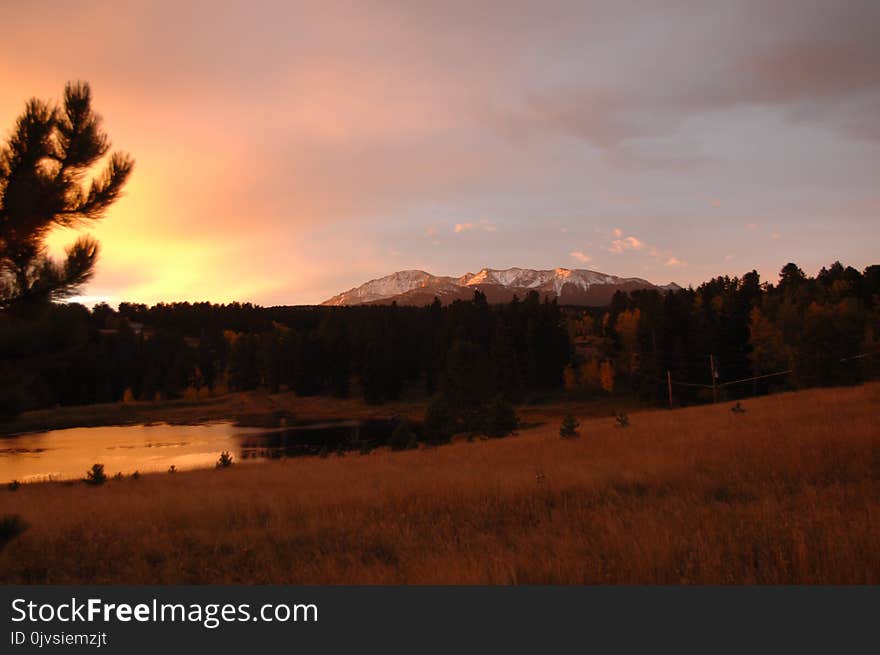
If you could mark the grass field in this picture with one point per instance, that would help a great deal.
(788, 492)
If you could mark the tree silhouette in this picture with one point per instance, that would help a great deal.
(42, 167)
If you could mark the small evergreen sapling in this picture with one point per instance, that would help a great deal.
(96, 475)
(11, 526)
(569, 427)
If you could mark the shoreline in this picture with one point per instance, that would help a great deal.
(696, 496)
(255, 409)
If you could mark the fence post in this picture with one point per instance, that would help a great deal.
(714, 378)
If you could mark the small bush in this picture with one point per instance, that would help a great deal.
(96, 475)
(118, 476)
(439, 422)
(12, 401)
(501, 418)
(172, 469)
(14, 485)
(569, 427)
(403, 437)
(225, 460)
(11, 526)
(622, 419)
(136, 475)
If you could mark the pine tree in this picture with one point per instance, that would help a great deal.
(42, 165)
(501, 419)
(467, 384)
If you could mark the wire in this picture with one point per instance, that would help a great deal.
(756, 377)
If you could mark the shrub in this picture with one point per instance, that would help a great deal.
(439, 422)
(501, 418)
(14, 485)
(622, 419)
(11, 402)
(136, 475)
(403, 437)
(118, 476)
(569, 427)
(11, 526)
(96, 475)
(172, 469)
(225, 460)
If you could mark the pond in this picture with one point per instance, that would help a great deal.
(67, 454)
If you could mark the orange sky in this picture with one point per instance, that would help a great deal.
(288, 151)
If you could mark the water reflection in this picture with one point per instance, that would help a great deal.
(66, 454)
(316, 439)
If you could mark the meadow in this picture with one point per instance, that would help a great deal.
(786, 493)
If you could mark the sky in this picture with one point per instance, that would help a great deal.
(287, 151)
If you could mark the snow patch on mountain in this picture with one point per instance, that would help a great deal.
(545, 282)
(388, 287)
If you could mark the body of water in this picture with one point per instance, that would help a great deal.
(67, 454)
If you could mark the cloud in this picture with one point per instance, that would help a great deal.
(622, 244)
(626, 243)
(482, 225)
(580, 256)
(813, 62)
(287, 128)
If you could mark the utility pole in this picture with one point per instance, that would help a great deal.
(714, 378)
(669, 386)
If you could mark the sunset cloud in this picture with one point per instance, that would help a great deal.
(482, 225)
(627, 243)
(279, 152)
(581, 257)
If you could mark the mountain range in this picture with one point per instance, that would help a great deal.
(569, 286)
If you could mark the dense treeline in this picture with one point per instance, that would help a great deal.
(472, 357)
(73, 356)
(823, 330)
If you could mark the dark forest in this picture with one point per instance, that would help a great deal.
(798, 332)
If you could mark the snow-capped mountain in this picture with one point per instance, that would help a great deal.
(570, 286)
(390, 286)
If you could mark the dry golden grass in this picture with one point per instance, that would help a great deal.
(787, 493)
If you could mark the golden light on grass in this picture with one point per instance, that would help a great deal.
(788, 492)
